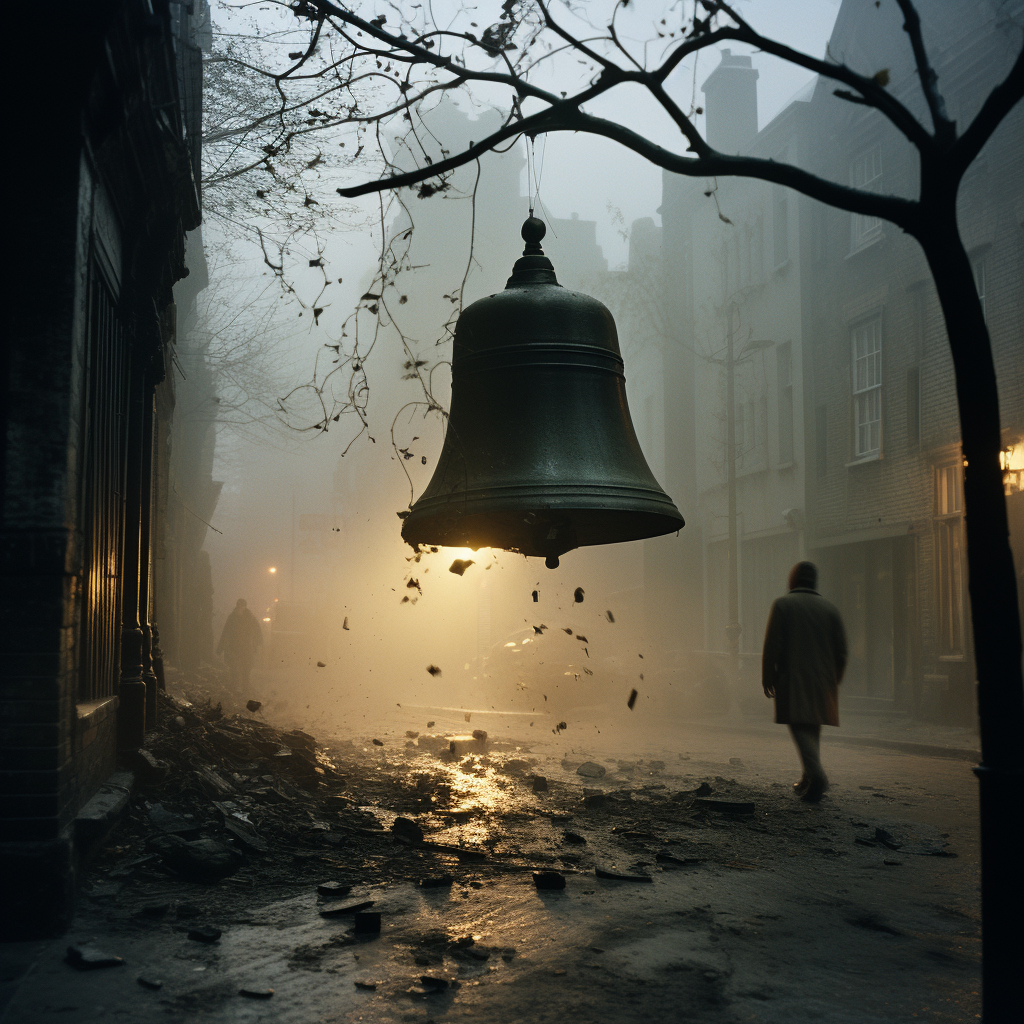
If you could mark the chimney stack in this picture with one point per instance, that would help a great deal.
(730, 104)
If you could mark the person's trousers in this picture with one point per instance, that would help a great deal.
(808, 744)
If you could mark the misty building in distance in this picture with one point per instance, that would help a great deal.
(848, 446)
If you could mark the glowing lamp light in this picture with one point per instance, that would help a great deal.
(272, 570)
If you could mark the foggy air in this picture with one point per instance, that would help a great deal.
(516, 511)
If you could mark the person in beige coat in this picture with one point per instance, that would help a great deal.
(802, 666)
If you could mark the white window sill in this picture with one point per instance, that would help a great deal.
(865, 459)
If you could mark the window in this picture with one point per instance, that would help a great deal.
(867, 388)
(780, 225)
(914, 405)
(784, 357)
(865, 174)
(821, 440)
(978, 267)
(949, 558)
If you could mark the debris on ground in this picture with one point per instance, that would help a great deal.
(256, 993)
(153, 984)
(205, 933)
(406, 828)
(548, 880)
(621, 876)
(89, 958)
(591, 770)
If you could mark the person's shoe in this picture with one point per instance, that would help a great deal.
(813, 793)
(801, 787)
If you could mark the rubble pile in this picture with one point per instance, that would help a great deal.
(217, 792)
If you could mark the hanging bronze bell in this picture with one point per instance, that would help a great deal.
(540, 455)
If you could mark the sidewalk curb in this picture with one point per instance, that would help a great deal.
(909, 747)
(904, 746)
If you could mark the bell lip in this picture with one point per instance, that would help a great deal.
(507, 525)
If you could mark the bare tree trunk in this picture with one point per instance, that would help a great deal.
(996, 622)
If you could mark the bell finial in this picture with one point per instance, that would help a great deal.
(533, 267)
(534, 229)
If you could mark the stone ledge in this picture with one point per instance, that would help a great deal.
(91, 713)
(102, 812)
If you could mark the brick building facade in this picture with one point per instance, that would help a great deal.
(113, 141)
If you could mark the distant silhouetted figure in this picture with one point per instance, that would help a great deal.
(802, 666)
(239, 642)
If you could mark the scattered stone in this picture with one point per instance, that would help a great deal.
(89, 958)
(256, 993)
(540, 784)
(335, 889)
(378, 743)
(203, 860)
(341, 908)
(726, 806)
(253, 705)
(430, 725)
(887, 839)
(368, 986)
(204, 933)
(368, 923)
(591, 770)
(153, 984)
(703, 790)
(462, 745)
(548, 880)
(406, 828)
(621, 876)
(480, 734)
(668, 860)
(573, 837)
(438, 882)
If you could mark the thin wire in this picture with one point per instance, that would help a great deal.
(529, 171)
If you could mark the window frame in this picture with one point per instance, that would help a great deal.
(864, 229)
(867, 396)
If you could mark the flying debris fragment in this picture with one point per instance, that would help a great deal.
(253, 705)
(560, 727)
(536, 597)
(344, 625)
(608, 615)
(577, 596)
(433, 670)
(413, 582)
(321, 664)
(539, 629)
(565, 629)
(430, 725)
(632, 699)
(460, 565)
(582, 638)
